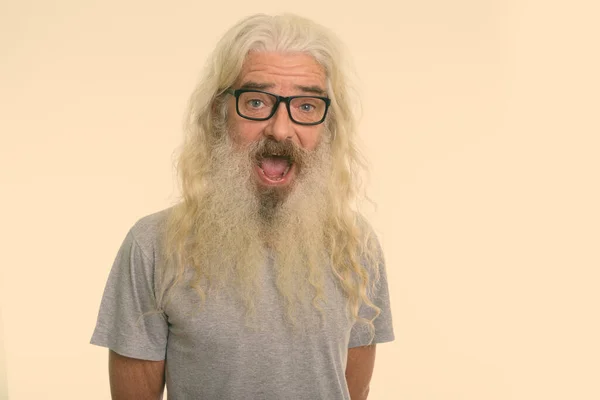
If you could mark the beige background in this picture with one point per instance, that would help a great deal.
(481, 119)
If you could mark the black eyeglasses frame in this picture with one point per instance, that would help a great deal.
(279, 99)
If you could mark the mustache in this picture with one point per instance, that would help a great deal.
(268, 147)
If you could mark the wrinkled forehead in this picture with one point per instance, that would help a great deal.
(268, 70)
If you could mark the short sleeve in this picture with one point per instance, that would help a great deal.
(360, 334)
(128, 322)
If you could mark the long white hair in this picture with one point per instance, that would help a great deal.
(352, 249)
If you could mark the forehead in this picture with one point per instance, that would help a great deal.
(282, 70)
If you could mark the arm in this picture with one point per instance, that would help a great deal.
(359, 370)
(134, 379)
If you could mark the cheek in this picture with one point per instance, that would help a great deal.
(242, 130)
(310, 136)
(248, 131)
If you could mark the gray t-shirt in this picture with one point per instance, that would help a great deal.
(212, 353)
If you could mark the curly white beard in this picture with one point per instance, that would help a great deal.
(241, 224)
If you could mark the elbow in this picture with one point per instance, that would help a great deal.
(360, 394)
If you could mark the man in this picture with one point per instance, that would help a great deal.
(264, 282)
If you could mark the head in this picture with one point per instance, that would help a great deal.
(262, 175)
(275, 115)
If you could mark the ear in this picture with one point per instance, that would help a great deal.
(218, 101)
(215, 106)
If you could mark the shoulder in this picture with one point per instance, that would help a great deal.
(147, 231)
(371, 250)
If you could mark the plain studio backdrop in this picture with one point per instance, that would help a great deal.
(481, 120)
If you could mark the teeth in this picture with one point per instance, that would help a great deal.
(286, 171)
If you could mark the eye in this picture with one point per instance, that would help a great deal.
(255, 103)
(307, 107)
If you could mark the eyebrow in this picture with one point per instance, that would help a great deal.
(256, 85)
(263, 86)
(311, 89)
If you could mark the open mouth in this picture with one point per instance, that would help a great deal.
(274, 168)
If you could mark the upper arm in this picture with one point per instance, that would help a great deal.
(132, 378)
(129, 321)
(359, 370)
(382, 329)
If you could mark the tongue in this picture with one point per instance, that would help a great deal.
(274, 167)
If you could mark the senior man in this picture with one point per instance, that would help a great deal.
(264, 281)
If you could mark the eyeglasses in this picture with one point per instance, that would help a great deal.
(257, 105)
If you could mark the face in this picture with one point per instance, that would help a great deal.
(284, 75)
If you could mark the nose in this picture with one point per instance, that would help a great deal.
(280, 125)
